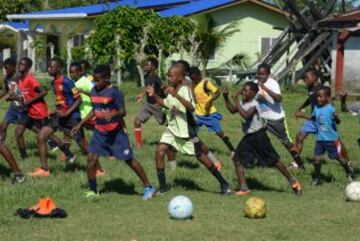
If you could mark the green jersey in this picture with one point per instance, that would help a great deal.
(85, 84)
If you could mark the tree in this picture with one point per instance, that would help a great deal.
(211, 38)
(321, 4)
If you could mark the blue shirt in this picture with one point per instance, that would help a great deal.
(325, 123)
(104, 101)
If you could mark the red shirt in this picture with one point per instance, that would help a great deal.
(36, 110)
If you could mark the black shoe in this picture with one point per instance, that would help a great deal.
(317, 182)
(18, 179)
(163, 190)
(351, 176)
(225, 189)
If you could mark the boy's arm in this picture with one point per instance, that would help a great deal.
(245, 114)
(72, 108)
(187, 104)
(275, 96)
(303, 116)
(150, 90)
(41, 94)
(3, 92)
(231, 108)
(336, 118)
(343, 98)
(303, 106)
(83, 121)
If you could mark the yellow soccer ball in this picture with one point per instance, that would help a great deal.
(255, 208)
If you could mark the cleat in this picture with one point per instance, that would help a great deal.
(163, 191)
(54, 149)
(225, 189)
(317, 182)
(100, 172)
(18, 179)
(91, 195)
(149, 192)
(218, 166)
(71, 159)
(297, 188)
(242, 192)
(39, 172)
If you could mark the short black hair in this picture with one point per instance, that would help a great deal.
(252, 85)
(314, 72)
(265, 66)
(185, 64)
(28, 61)
(86, 63)
(153, 61)
(75, 64)
(195, 71)
(104, 70)
(59, 61)
(327, 90)
(9, 62)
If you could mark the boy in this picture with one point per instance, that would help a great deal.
(11, 88)
(255, 141)
(180, 134)
(327, 137)
(150, 108)
(109, 137)
(269, 97)
(206, 114)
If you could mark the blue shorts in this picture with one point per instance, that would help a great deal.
(309, 127)
(115, 143)
(13, 115)
(333, 148)
(212, 122)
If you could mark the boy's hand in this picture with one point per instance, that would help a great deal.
(174, 111)
(108, 116)
(171, 90)
(76, 129)
(150, 90)
(208, 107)
(139, 98)
(298, 114)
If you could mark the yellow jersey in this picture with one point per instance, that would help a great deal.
(203, 92)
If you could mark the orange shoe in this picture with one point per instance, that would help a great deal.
(100, 172)
(218, 166)
(39, 172)
(63, 157)
(242, 192)
(297, 188)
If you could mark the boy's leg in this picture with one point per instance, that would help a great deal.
(295, 184)
(3, 130)
(317, 179)
(142, 116)
(208, 153)
(226, 140)
(171, 156)
(92, 159)
(299, 141)
(335, 151)
(19, 133)
(161, 151)
(139, 170)
(8, 156)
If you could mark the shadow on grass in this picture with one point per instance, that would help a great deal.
(188, 184)
(5, 171)
(256, 185)
(119, 186)
(188, 165)
(150, 143)
(74, 167)
(325, 178)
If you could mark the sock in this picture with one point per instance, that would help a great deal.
(347, 168)
(92, 185)
(292, 180)
(162, 179)
(211, 157)
(228, 143)
(317, 169)
(23, 153)
(172, 164)
(218, 175)
(138, 137)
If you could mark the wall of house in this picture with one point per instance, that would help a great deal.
(254, 22)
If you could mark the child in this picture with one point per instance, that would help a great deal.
(271, 110)
(206, 114)
(327, 137)
(109, 137)
(255, 142)
(180, 134)
(150, 108)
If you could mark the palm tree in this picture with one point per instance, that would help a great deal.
(211, 38)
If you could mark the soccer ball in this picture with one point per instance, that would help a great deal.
(352, 191)
(180, 207)
(255, 208)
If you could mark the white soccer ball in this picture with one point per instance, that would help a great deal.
(352, 191)
(180, 207)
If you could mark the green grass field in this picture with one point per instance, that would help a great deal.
(320, 214)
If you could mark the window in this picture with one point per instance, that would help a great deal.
(265, 45)
(78, 40)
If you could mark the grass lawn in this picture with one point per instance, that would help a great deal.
(320, 214)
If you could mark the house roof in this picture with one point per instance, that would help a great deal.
(96, 9)
(15, 26)
(201, 6)
(349, 20)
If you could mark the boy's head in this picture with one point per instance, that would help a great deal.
(151, 65)
(311, 77)
(184, 64)
(75, 71)
(102, 75)
(85, 67)
(323, 96)
(195, 74)
(55, 66)
(263, 72)
(25, 65)
(176, 75)
(249, 90)
(9, 66)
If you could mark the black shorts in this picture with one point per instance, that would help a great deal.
(28, 122)
(256, 144)
(66, 124)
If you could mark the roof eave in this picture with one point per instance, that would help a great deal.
(46, 16)
(5, 26)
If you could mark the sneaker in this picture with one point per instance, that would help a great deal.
(218, 166)
(163, 191)
(295, 166)
(100, 172)
(149, 192)
(351, 177)
(71, 159)
(54, 149)
(91, 195)
(39, 172)
(18, 179)
(242, 192)
(297, 188)
(225, 189)
(232, 154)
(317, 182)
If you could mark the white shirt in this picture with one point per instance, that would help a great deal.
(269, 108)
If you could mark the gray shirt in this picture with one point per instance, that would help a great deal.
(253, 123)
